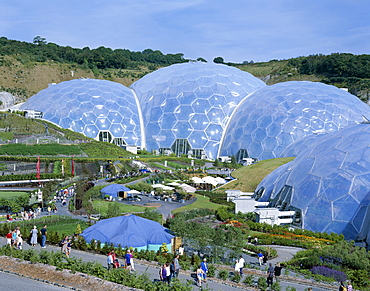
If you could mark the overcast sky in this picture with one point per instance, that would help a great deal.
(237, 30)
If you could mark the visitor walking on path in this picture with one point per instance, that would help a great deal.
(277, 271)
(260, 258)
(200, 276)
(9, 238)
(14, 238)
(132, 261)
(270, 275)
(204, 267)
(110, 263)
(349, 286)
(237, 267)
(163, 273)
(342, 287)
(19, 242)
(177, 266)
(43, 236)
(34, 233)
(128, 260)
(241, 265)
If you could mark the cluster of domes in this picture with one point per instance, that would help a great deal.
(212, 110)
(199, 109)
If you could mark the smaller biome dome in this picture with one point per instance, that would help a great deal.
(100, 109)
(328, 184)
(186, 106)
(272, 118)
(6, 100)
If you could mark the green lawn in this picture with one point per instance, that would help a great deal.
(68, 228)
(102, 207)
(11, 194)
(201, 202)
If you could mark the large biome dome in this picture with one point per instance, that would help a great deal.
(100, 109)
(272, 118)
(186, 107)
(328, 184)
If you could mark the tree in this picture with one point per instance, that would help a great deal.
(218, 60)
(38, 40)
(201, 60)
(113, 210)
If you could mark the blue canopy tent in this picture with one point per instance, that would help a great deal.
(129, 231)
(113, 190)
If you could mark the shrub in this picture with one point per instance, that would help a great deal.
(262, 284)
(236, 277)
(276, 286)
(327, 272)
(248, 280)
(223, 274)
(211, 270)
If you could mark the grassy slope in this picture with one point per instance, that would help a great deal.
(201, 202)
(249, 177)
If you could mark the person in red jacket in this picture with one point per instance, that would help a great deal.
(9, 238)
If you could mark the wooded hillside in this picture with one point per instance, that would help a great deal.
(26, 68)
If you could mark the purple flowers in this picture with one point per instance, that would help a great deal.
(327, 272)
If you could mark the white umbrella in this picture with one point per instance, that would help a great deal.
(187, 188)
(158, 186)
(173, 184)
(167, 188)
(133, 191)
(197, 180)
(210, 180)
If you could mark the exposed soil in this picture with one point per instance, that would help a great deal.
(62, 278)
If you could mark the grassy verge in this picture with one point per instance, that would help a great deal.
(10, 195)
(102, 207)
(201, 202)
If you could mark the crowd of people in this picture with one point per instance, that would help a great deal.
(170, 270)
(113, 262)
(14, 238)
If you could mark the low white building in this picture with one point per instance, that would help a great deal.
(245, 204)
(233, 194)
(274, 216)
(33, 114)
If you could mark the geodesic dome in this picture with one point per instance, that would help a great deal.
(6, 100)
(186, 107)
(100, 109)
(272, 118)
(328, 184)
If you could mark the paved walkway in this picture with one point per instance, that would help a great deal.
(212, 284)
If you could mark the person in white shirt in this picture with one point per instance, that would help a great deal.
(241, 265)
